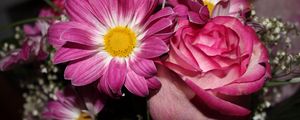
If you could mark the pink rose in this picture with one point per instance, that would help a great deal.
(219, 64)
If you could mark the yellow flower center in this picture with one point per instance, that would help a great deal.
(84, 116)
(120, 41)
(210, 5)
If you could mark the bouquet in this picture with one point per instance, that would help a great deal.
(153, 59)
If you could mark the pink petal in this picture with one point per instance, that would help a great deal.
(10, 60)
(142, 67)
(116, 75)
(245, 35)
(215, 103)
(29, 30)
(181, 10)
(177, 60)
(205, 63)
(26, 49)
(136, 84)
(58, 111)
(69, 54)
(158, 26)
(153, 83)
(103, 87)
(235, 8)
(143, 8)
(81, 11)
(57, 30)
(167, 11)
(252, 74)
(93, 100)
(165, 36)
(152, 47)
(217, 78)
(181, 70)
(172, 102)
(221, 9)
(255, 70)
(102, 9)
(86, 71)
(244, 88)
(80, 36)
(195, 18)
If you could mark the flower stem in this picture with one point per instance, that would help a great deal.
(163, 4)
(51, 4)
(274, 83)
(3, 27)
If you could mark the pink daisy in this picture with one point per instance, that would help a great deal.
(113, 41)
(71, 104)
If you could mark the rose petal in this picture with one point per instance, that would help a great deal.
(245, 88)
(205, 63)
(172, 102)
(215, 103)
(217, 78)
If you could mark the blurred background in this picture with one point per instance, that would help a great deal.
(14, 10)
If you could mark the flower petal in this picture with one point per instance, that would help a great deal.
(217, 78)
(102, 10)
(195, 18)
(205, 63)
(94, 101)
(153, 83)
(86, 71)
(143, 67)
(116, 75)
(215, 103)
(246, 88)
(80, 36)
(167, 11)
(10, 60)
(82, 12)
(172, 102)
(57, 30)
(69, 54)
(57, 111)
(103, 87)
(152, 47)
(136, 84)
(158, 26)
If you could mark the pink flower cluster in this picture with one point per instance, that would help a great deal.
(199, 55)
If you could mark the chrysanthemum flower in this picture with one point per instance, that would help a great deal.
(113, 41)
(199, 11)
(71, 104)
(234, 8)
